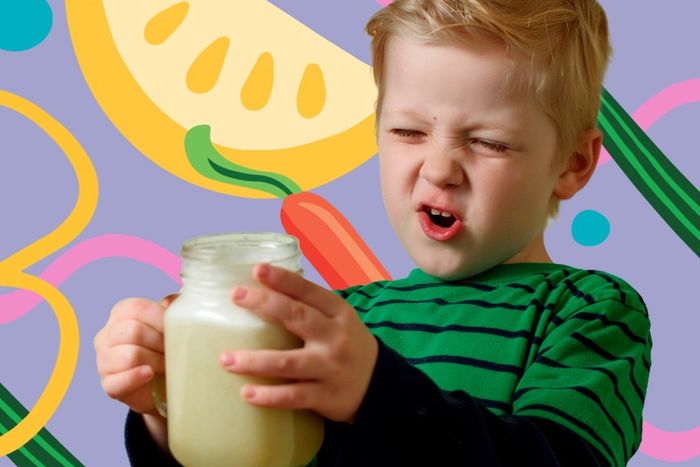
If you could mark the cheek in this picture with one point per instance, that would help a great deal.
(513, 193)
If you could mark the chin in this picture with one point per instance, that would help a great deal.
(446, 269)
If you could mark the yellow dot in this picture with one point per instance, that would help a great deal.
(162, 25)
(204, 71)
(257, 88)
(311, 96)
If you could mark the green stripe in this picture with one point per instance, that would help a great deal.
(640, 171)
(655, 156)
(37, 446)
(645, 182)
(8, 419)
(645, 189)
(21, 457)
(633, 142)
(10, 406)
(665, 204)
(678, 197)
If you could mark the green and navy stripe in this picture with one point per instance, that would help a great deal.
(540, 340)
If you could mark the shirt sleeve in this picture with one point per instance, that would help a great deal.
(405, 419)
(141, 449)
(590, 375)
(579, 402)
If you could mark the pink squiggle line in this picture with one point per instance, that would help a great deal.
(669, 98)
(670, 446)
(16, 304)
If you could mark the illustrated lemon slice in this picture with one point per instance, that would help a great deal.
(277, 97)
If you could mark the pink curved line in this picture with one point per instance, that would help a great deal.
(669, 98)
(16, 304)
(670, 446)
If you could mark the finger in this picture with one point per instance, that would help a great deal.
(134, 332)
(294, 285)
(125, 357)
(298, 364)
(168, 299)
(300, 319)
(121, 385)
(147, 311)
(281, 396)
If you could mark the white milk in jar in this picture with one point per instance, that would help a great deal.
(209, 423)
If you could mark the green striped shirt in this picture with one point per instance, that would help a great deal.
(539, 340)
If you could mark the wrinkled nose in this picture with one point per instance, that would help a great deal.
(441, 169)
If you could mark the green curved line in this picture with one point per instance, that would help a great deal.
(249, 177)
(206, 160)
(51, 448)
(624, 124)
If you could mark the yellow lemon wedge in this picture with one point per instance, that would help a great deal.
(277, 98)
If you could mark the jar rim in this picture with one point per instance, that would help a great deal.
(267, 247)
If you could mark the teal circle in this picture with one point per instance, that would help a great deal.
(24, 23)
(590, 228)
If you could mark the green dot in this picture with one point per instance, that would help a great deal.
(590, 228)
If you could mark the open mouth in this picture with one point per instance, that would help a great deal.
(440, 218)
(438, 224)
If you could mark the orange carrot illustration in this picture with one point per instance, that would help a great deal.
(330, 242)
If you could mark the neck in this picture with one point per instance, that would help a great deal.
(534, 252)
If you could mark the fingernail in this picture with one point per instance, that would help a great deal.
(144, 371)
(228, 359)
(248, 392)
(240, 293)
(264, 271)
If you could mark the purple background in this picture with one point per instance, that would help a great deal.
(653, 48)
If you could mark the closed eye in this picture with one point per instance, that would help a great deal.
(406, 133)
(491, 146)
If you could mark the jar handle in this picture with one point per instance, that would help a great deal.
(159, 394)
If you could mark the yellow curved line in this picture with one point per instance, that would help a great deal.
(12, 275)
(85, 205)
(66, 360)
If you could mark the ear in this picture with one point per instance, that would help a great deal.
(581, 165)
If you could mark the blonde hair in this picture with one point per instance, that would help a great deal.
(562, 48)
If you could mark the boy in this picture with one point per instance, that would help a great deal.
(488, 353)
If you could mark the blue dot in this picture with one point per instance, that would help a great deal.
(24, 23)
(590, 228)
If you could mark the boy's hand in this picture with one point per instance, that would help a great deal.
(331, 372)
(129, 351)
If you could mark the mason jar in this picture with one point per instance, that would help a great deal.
(209, 423)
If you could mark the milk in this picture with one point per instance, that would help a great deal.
(209, 423)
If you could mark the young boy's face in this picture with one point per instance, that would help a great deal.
(452, 138)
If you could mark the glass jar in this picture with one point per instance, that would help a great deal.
(209, 423)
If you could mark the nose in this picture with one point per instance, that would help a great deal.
(440, 168)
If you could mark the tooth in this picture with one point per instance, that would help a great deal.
(446, 214)
(434, 212)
